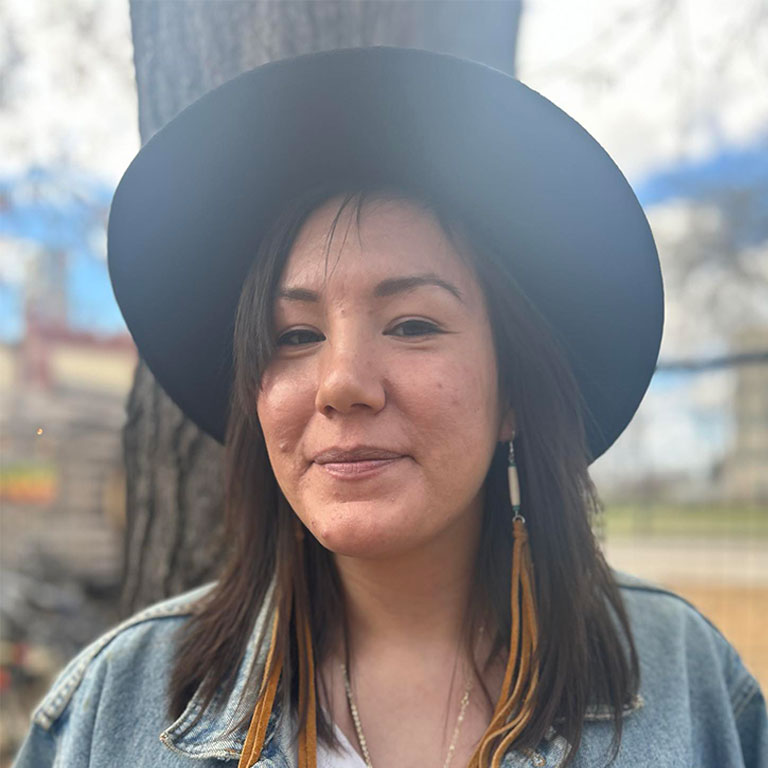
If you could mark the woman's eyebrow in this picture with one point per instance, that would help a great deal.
(402, 284)
(388, 287)
(298, 294)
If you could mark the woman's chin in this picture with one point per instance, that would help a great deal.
(362, 538)
(355, 544)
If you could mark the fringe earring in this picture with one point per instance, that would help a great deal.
(515, 706)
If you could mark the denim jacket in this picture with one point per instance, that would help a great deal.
(697, 704)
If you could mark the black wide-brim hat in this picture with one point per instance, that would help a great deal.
(188, 214)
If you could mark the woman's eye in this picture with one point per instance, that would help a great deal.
(298, 337)
(414, 328)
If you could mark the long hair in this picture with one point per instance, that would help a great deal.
(585, 650)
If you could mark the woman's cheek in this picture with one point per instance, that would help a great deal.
(464, 410)
(454, 388)
(285, 406)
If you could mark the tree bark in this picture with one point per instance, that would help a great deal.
(183, 49)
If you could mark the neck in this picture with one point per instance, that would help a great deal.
(416, 598)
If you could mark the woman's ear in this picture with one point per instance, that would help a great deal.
(508, 426)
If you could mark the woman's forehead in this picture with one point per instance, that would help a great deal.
(382, 240)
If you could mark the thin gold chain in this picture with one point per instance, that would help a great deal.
(359, 728)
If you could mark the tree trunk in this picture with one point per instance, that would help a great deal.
(182, 50)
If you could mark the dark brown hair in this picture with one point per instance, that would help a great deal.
(585, 651)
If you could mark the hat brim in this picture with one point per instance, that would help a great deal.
(189, 212)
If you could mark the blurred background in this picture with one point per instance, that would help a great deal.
(110, 499)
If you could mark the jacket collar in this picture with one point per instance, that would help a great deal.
(213, 734)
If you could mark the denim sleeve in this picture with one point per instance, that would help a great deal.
(37, 751)
(85, 719)
(752, 725)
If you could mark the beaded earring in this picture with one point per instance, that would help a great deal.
(513, 481)
(516, 702)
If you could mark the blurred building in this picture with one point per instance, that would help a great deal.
(744, 473)
(62, 406)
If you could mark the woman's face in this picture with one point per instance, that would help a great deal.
(380, 408)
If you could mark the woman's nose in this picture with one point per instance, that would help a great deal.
(350, 378)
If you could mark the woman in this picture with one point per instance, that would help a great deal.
(388, 280)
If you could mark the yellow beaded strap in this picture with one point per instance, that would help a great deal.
(257, 731)
(308, 733)
(515, 706)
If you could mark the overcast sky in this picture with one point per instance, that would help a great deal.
(654, 80)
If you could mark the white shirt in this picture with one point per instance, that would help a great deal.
(346, 757)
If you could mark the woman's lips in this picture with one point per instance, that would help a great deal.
(351, 470)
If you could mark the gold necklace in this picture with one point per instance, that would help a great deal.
(359, 728)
